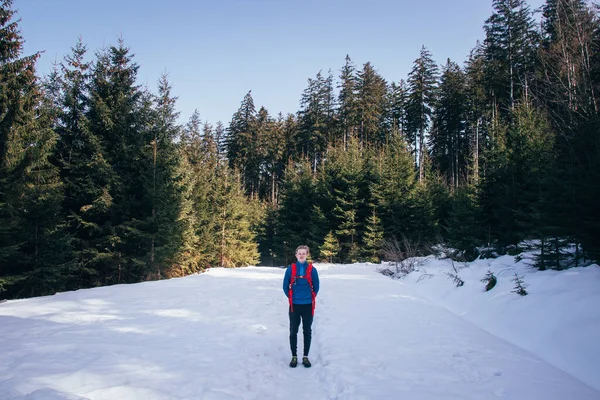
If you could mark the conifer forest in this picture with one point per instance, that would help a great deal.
(101, 184)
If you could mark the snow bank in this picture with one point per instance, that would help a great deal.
(559, 320)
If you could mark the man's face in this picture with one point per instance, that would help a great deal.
(301, 255)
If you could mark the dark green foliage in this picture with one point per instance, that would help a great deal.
(393, 188)
(448, 143)
(34, 248)
(373, 239)
(520, 167)
(346, 194)
(371, 103)
(300, 219)
(84, 169)
(463, 227)
(315, 119)
(490, 281)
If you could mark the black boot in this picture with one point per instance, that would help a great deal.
(294, 362)
(306, 362)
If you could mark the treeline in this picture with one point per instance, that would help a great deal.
(99, 184)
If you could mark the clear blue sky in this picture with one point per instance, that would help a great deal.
(216, 51)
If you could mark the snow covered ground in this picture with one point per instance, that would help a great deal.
(224, 335)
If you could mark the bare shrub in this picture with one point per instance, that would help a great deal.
(401, 254)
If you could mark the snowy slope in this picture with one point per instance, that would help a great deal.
(224, 335)
(559, 320)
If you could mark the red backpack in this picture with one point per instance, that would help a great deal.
(309, 279)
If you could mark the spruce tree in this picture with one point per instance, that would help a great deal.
(205, 167)
(299, 219)
(242, 143)
(34, 249)
(510, 53)
(371, 96)
(393, 187)
(422, 82)
(448, 144)
(234, 222)
(330, 247)
(84, 170)
(348, 113)
(121, 115)
(345, 189)
(315, 119)
(167, 188)
(373, 239)
(463, 228)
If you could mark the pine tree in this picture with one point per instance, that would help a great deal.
(315, 119)
(393, 187)
(396, 116)
(513, 189)
(121, 115)
(236, 245)
(371, 96)
(84, 170)
(346, 189)
(205, 168)
(463, 228)
(510, 52)
(348, 102)
(169, 195)
(449, 146)
(477, 112)
(330, 247)
(33, 248)
(242, 144)
(299, 219)
(373, 239)
(422, 82)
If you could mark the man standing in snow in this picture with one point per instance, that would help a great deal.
(301, 285)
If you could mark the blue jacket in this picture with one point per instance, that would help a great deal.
(301, 289)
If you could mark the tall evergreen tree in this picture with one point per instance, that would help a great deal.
(204, 164)
(33, 248)
(315, 119)
(448, 143)
(371, 97)
(84, 170)
(510, 53)
(299, 219)
(393, 187)
(346, 191)
(348, 102)
(121, 116)
(242, 143)
(521, 160)
(236, 246)
(169, 197)
(396, 117)
(422, 82)
(477, 113)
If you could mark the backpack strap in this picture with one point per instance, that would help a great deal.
(312, 291)
(290, 291)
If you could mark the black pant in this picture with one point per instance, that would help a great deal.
(304, 312)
